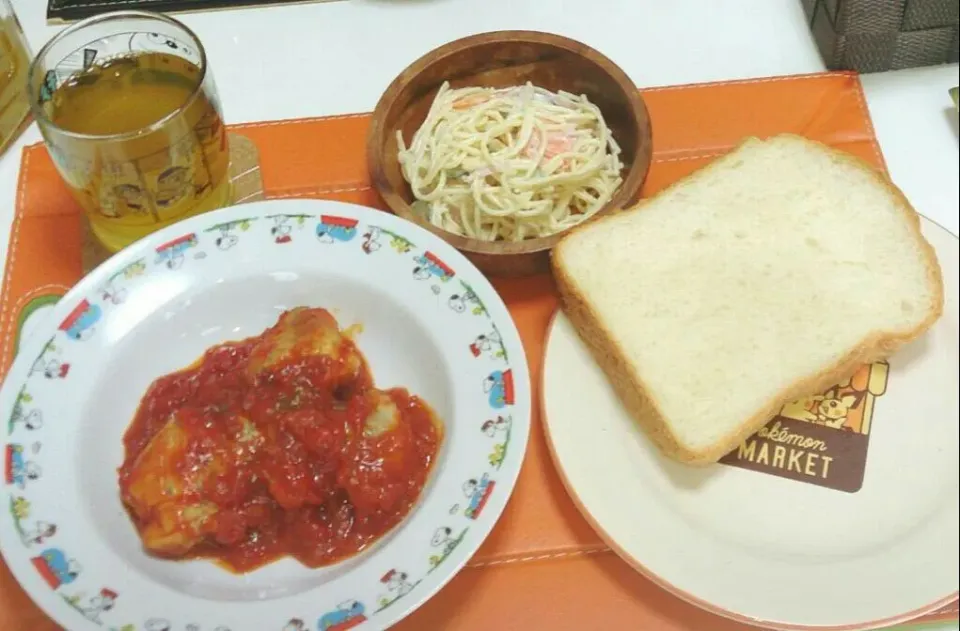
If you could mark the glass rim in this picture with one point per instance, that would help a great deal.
(38, 111)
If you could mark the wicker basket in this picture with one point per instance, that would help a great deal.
(878, 35)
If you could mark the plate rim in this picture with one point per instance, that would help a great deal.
(675, 590)
(44, 599)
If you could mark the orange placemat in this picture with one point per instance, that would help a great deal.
(543, 566)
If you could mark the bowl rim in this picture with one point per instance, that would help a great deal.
(626, 195)
(494, 312)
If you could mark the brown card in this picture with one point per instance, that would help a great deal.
(819, 440)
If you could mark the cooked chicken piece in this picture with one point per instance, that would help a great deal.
(174, 528)
(385, 416)
(170, 486)
(375, 465)
(301, 333)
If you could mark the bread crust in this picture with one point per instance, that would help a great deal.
(641, 403)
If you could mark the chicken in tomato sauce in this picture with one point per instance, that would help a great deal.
(277, 445)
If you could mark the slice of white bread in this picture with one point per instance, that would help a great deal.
(769, 275)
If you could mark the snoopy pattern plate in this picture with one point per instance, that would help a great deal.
(842, 513)
(429, 321)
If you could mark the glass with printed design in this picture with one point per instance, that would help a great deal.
(131, 118)
(14, 61)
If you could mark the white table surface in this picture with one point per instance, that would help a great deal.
(333, 58)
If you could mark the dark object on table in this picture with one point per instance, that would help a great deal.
(880, 35)
(68, 10)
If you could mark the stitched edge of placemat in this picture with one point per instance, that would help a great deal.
(7, 318)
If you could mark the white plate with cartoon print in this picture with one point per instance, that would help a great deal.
(842, 514)
(430, 322)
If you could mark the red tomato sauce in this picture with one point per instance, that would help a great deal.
(247, 467)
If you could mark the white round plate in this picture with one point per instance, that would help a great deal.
(430, 322)
(784, 533)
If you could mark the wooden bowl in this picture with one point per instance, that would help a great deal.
(504, 59)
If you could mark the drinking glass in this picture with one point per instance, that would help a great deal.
(14, 61)
(130, 115)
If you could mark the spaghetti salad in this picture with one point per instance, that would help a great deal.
(510, 163)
